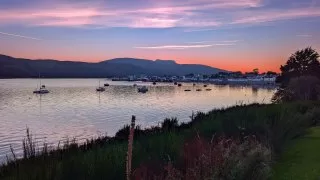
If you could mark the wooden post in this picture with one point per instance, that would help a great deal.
(129, 152)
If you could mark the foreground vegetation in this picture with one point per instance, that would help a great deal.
(301, 158)
(240, 142)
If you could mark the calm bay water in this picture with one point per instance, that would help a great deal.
(73, 109)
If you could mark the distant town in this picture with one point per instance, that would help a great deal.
(237, 77)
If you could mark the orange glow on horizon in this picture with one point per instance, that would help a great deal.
(221, 63)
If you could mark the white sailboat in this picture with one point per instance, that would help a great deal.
(100, 89)
(42, 88)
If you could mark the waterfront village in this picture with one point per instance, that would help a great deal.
(220, 78)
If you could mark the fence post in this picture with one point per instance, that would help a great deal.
(129, 152)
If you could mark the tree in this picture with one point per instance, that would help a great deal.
(271, 73)
(237, 74)
(301, 88)
(255, 71)
(300, 77)
(301, 63)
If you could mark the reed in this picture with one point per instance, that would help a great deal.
(29, 146)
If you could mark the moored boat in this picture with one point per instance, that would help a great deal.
(99, 88)
(143, 89)
(42, 88)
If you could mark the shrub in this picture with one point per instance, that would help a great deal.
(299, 89)
(220, 158)
(169, 124)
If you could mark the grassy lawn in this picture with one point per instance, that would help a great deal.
(301, 159)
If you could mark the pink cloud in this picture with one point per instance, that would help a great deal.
(304, 35)
(268, 16)
(48, 17)
(212, 4)
(67, 22)
(202, 14)
(67, 13)
(221, 42)
(199, 30)
(154, 22)
(175, 15)
(80, 17)
(181, 47)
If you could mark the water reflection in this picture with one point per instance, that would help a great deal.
(73, 108)
(254, 91)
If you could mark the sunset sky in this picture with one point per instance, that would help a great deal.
(227, 34)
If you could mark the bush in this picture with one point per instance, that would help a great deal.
(302, 88)
(169, 124)
(220, 158)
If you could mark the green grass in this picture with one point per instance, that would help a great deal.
(273, 125)
(301, 158)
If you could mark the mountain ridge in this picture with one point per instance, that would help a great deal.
(11, 67)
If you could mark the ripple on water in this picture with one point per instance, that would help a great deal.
(73, 109)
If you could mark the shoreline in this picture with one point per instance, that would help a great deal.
(240, 83)
(166, 140)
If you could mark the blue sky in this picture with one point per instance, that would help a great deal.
(229, 34)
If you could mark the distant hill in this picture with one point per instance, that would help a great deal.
(11, 67)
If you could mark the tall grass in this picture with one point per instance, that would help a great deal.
(105, 158)
(220, 158)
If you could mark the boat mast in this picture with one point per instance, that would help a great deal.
(40, 79)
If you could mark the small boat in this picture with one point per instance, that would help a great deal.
(205, 85)
(42, 89)
(106, 84)
(143, 89)
(100, 89)
(154, 83)
(175, 83)
(187, 90)
(199, 90)
(208, 89)
(179, 84)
